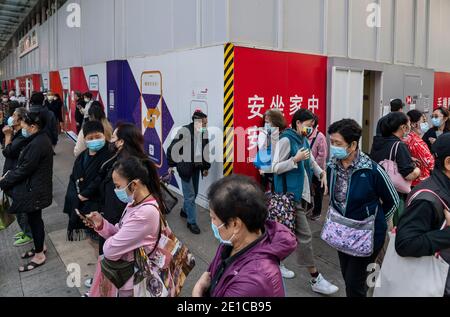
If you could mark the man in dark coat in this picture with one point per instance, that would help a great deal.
(189, 153)
(83, 191)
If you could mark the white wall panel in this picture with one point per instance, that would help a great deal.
(363, 37)
(253, 22)
(44, 55)
(214, 22)
(186, 17)
(69, 40)
(97, 31)
(304, 25)
(405, 26)
(337, 28)
(386, 31)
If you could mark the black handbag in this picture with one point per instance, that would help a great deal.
(117, 272)
(169, 200)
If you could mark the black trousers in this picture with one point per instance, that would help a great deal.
(355, 273)
(318, 196)
(37, 229)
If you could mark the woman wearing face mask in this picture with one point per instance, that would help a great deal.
(275, 123)
(294, 165)
(127, 141)
(359, 188)
(96, 113)
(83, 191)
(417, 147)
(137, 185)
(319, 149)
(394, 128)
(30, 184)
(15, 142)
(248, 244)
(441, 125)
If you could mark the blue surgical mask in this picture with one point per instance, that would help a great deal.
(11, 122)
(95, 145)
(268, 127)
(216, 232)
(424, 127)
(25, 133)
(436, 122)
(339, 153)
(123, 196)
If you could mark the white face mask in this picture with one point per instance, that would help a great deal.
(87, 100)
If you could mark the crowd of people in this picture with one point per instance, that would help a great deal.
(114, 194)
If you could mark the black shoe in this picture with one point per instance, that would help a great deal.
(183, 214)
(194, 228)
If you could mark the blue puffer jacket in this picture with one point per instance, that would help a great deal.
(369, 190)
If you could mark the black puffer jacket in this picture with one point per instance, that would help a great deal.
(12, 151)
(30, 184)
(51, 125)
(419, 230)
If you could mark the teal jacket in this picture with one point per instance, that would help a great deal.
(294, 178)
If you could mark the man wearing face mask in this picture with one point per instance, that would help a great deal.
(83, 191)
(359, 188)
(189, 154)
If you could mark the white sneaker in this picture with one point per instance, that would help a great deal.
(287, 274)
(88, 282)
(322, 286)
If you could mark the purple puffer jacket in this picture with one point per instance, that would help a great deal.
(257, 272)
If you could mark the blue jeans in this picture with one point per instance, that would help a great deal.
(22, 220)
(190, 192)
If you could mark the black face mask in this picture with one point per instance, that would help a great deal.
(113, 147)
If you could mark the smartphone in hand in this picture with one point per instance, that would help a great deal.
(84, 218)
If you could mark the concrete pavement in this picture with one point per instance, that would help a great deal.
(51, 279)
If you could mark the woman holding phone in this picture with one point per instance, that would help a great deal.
(137, 185)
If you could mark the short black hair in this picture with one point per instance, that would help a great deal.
(397, 105)
(92, 127)
(415, 116)
(199, 115)
(301, 115)
(392, 122)
(35, 118)
(37, 99)
(350, 130)
(88, 95)
(238, 196)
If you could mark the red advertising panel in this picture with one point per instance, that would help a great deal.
(77, 84)
(55, 83)
(268, 79)
(442, 90)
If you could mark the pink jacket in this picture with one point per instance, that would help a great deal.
(320, 148)
(139, 227)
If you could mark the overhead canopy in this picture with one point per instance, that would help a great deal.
(12, 14)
